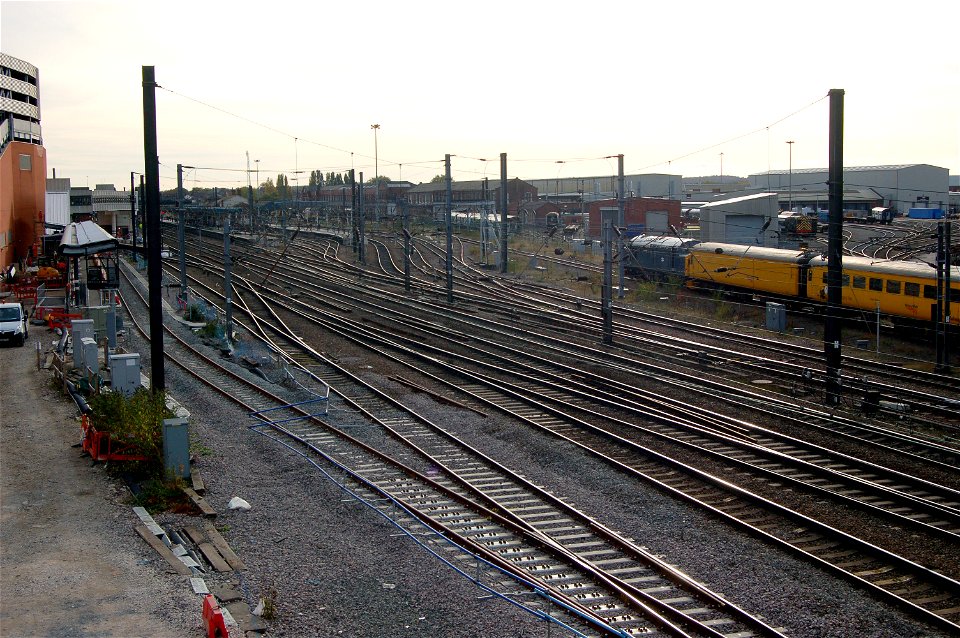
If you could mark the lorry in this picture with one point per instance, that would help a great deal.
(13, 323)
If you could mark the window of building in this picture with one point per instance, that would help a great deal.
(929, 292)
(911, 289)
(876, 284)
(26, 163)
(859, 281)
(893, 286)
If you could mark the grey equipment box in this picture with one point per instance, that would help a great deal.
(125, 373)
(776, 317)
(89, 359)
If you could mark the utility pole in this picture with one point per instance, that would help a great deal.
(790, 146)
(405, 213)
(606, 292)
(182, 233)
(227, 279)
(133, 211)
(354, 229)
(504, 201)
(362, 243)
(620, 224)
(151, 163)
(832, 328)
(449, 262)
(376, 175)
(942, 314)
(143, 210)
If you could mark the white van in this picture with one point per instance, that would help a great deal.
(13, 323)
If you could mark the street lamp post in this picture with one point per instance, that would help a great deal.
(376, 174)
(257, 162)
(790, 146)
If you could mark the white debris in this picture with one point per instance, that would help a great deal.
(237, 503)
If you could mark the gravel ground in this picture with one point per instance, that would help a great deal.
(327, 561)
(72, 564)
(338, 569)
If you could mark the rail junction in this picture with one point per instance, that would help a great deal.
(727, 423)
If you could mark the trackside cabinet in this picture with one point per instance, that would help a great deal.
(776, 317)
(176, 448)
(125, 373)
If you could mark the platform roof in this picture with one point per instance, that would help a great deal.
(85, 238)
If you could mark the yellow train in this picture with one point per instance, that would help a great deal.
(900, 288)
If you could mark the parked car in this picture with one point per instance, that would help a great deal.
(13, 323)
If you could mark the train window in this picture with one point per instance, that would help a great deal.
(846, 281)
(876, 284)
(859, 282)
(929, 292)
(954, 295)
(893, 286)
(911, 289)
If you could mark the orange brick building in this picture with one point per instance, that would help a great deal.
(23, 162)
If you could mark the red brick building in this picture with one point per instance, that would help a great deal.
(641, 214)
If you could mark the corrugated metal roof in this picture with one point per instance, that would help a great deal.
(85, 238)
(736, 200)
(846, 169)
(58, 184)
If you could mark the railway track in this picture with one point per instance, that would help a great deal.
(600, 581)
(894, 563)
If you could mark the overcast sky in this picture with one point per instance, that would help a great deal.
(556, 85)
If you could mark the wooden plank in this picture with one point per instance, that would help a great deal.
(206, 547)
(197, 481)
(162, 549)
(223, 547)
(213, 556)
(200, 502)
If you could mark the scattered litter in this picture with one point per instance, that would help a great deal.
(258, 610)
(388, 586)
(237, 503)
(199, 586)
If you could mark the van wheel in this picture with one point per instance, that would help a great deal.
(23, 340)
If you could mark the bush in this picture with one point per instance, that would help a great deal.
(136, 421)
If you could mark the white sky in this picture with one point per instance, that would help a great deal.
(670, 86)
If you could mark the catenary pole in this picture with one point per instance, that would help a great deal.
(449, 216)
(504, 201)
(832, 329)
(620, 225)
(151, 162)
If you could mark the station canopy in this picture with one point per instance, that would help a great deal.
(85, 238)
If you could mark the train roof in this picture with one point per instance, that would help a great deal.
(750, 250)
(889, 267)
(660, 241)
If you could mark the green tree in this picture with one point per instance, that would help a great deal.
(282, 186)
(269, 190)
(437, 179)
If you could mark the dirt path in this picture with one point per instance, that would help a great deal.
(70, 563)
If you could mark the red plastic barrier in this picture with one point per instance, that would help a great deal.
(102, 447)
(60, 319)
(213, 618)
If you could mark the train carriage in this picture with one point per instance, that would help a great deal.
(656, 257)
(770, 270)
(902, 288)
